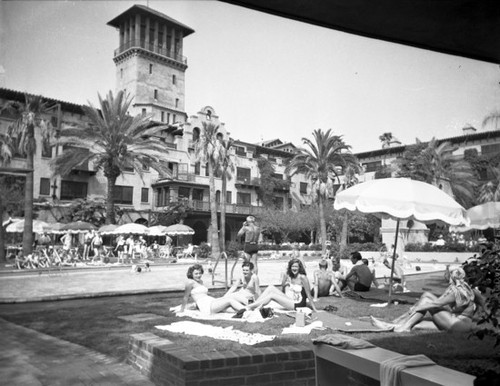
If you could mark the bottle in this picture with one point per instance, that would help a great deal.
(300, 319)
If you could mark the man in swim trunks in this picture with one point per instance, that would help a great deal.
(252, 234)
(360, 277)
(325, 282)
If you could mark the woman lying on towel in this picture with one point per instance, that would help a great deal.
(197, 290)
(249, 285)
(296, 290)
(452, 311)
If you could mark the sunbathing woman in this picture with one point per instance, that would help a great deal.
(452, 311)
(296, 290)
(249, 283)
(197, 290)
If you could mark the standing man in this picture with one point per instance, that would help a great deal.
(252, 234)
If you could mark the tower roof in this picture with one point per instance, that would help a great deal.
(151, 12)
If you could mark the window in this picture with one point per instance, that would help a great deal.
(176, 102)
(183, 192)
(45, 186)
(278, 176)
(278, 203)
(206, 170)
(123, 194)
(168, 117)
(150, 68)
(490, 149)
(217, 197)
(229, 198)
(145, 195)
(303, 188)
(174, 80)
(372, 166)
(46, 148)
(173, 118)
(156, 94)
(143, 111)
(197, 168)
(243, 198)
(240, 151)
(163, 116)
(243, 174)
(198, 194)
(71, 190)
(121, 72)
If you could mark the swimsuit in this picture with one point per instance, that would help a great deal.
(202, 299)
(297, 293)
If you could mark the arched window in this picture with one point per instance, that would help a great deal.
(217, 197)
(196, 134)
(209, 115)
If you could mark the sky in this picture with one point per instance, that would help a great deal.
(265, 76)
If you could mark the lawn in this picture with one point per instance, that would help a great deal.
(94, 323)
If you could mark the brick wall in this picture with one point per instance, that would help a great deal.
(167, 363)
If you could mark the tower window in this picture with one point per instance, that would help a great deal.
(163, 116)
(174, 79)
(176, 102)
(168, 117)
(156, 94)
(173, 118)
(121, 72)
(143, 111)
(150, 68)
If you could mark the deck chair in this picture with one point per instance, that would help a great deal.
(189, 251)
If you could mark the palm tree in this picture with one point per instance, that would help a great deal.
(386, 139)
(490, 191)
(320, 163)
(493, 119)
(5, 157)
(113, 141)
(350, 179)
(226, 167)
(208, 151)
(29, 118)
(441, 167)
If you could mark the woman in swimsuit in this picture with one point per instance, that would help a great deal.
(296, 290)
(452, 311)
(249, 283)
(197, 290)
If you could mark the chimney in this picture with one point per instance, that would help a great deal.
(468, 129)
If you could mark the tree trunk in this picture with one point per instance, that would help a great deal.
(322, 224)
(110, 202)
(343, 235)
(223, 211)
(213, 212)
(28, 197)
(2, 233)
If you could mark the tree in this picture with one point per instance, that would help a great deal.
(386, 139)
(208, 151)
(350, 179)
(113, 141)
(269, 183)
(226, 167)
(321, 162)
(289, 224)
(29, 117)
(490, 191)
(492, 119)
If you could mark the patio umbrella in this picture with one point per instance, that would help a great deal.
(18, 226)
(137, 229)
(108, 229)
(481, 217)
(158, 230)
(78, 227)
(55, 227)
(402, 199)
(179, 230)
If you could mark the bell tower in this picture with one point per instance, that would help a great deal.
(149, 62)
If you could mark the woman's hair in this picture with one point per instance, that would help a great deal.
(196, 267)
(302, 270)
(248, 264)
(463, 291)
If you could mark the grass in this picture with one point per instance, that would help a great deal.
(95, 324)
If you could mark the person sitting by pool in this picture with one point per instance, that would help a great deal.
(372, 270)
(249, 283)
(398, 278)
(199, 292)
(452, 311)
(359, 277)
(325, 282)
(296, 290)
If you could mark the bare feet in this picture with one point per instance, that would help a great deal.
(381, 324)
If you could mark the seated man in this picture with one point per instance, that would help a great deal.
(360, 277)
(325, 282)
(372, 270)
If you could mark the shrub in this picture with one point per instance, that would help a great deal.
(204, 250)
(484, 273)
(449, 247)
(233, 248)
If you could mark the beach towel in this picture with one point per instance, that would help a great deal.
(228, 333)
(390, 369)
(345, 342)
(293, 329)
(339, 323)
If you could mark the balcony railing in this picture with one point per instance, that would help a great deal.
(151, 48)
(171, 145)
(204, 206)
(248, 181)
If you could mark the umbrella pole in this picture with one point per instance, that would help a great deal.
(393, 262)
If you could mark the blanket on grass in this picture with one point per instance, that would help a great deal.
(377, 295)
(339, 323)
(200, 329)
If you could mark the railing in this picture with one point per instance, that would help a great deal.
(151, 48)
(204, 206)
(248, 181)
